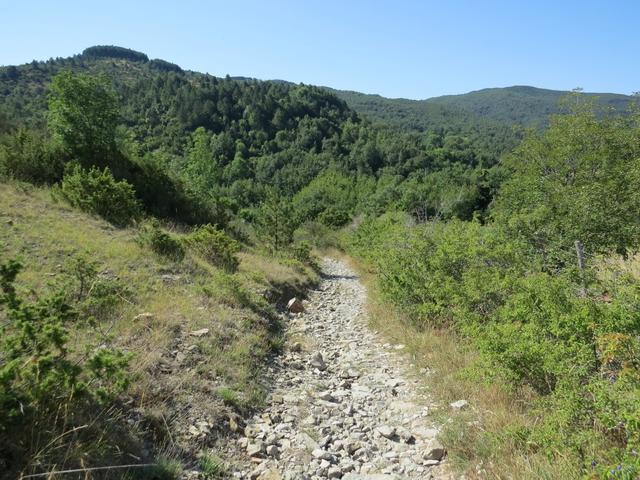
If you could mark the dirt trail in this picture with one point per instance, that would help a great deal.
(343, 404)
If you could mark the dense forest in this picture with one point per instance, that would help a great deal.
(491, 111)
(469, 221)
(234, 139)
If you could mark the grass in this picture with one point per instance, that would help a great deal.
(176, 298)
(483, 441)
(212, 466)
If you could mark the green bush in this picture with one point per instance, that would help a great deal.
(301, 251)
(576, 181)
(334, 217)
(579, 353)
(97, 192)
(44, 384)
(161, 243)
(95, 294)
(215, 246)
(30, 157)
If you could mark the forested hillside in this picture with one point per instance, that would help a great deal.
(488, 113)
(524, 105)
(236, 138)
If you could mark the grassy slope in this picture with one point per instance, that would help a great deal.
(220, 370)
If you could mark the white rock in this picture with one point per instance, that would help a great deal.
(459, 405)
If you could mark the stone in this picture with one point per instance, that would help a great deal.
(459, 405)
(233, 424)
(255, 448)
(321, 454)
(386, 431)
(144, 317)
(295, 305)
(199, 333)
(318, 362)
(374, 476)
(435, 452)
(273, 451)
(326, 396)
(334, 472)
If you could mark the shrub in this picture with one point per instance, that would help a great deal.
(95, 293)
(301, 251)
(97, 192)
(334, 217)
(534, 327)
(215, 246)
(28, 156)
(160, 242)
(44, 384)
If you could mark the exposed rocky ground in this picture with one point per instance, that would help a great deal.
(343, 403)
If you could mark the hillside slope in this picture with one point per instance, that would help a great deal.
(524, 105)
(197, 336)
(491, 109)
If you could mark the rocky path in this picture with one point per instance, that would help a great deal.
(343, 404)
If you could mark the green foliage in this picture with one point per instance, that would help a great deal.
(206, 145)
(27, 156)
(215, 246)
(524, 105)
(40, 370)
(276, 222)
(83, 115)
(95, 293)
(161, 243)
(96, 191)
(111, 51)
(510, 287)
(212, 466)
(576, 181)
(301, 251)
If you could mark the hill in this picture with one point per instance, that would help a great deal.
(245, 136)
(491, 109)
(523, 105)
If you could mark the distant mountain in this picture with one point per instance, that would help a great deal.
(413, 115)
(518, 105)
(529, 106)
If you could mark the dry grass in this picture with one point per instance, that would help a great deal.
(168, 392)
(482, 441)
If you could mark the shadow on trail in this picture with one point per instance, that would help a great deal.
(326, 276)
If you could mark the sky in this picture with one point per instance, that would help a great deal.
(403, 48)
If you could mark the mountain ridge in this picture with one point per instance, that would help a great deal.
(523, 105)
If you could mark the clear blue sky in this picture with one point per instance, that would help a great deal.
(402, 48)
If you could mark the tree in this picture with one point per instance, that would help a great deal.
(576, 181)
(201, 169)
(83, 116)
(276, 221)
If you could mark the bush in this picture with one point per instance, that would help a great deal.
(334, 217)
(30, 157)
(160, 242)
(577, 352)
(95, 191)
(301, 251)
(215, 246)
(44, 384)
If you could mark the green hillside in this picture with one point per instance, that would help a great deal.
(523, 105)
(487, 110)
